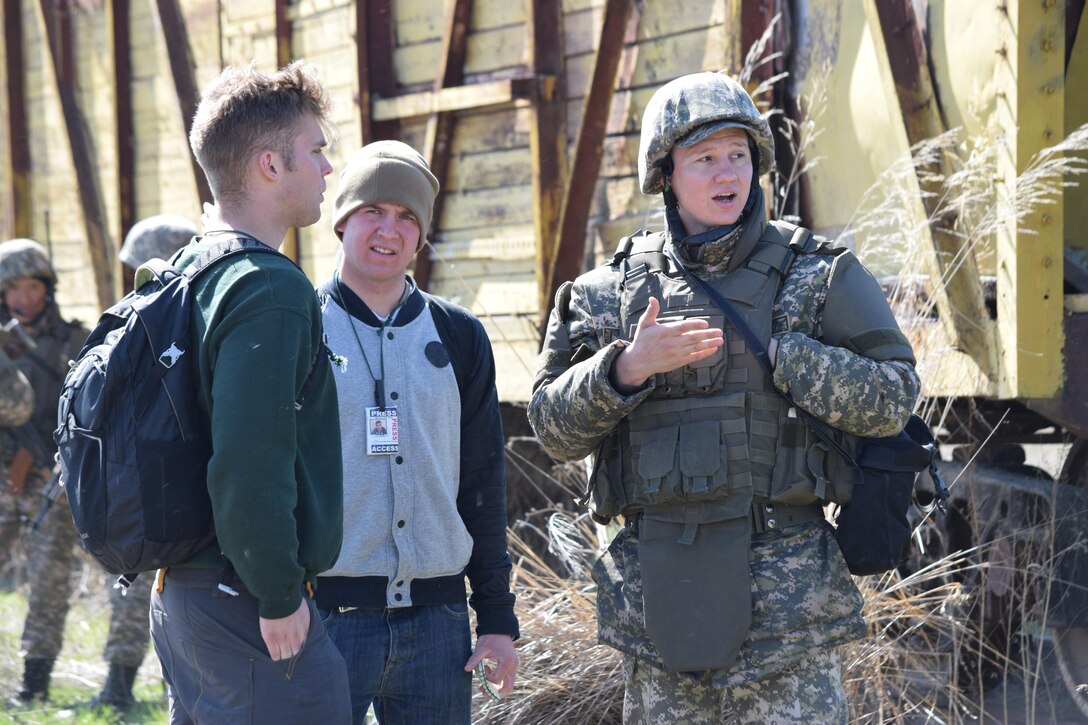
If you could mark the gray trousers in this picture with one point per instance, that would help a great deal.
(218, 669)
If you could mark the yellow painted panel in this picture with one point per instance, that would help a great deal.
(1029, 258)
(963, 43)
(1076, 115)
(861, 130)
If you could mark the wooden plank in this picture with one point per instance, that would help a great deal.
(1029, 253)
(547, 136)
(493, 170)
(960, 302)
(489, 208)
(491, 53)
(95, 224)
(570, 242)
(18, 125)
(124, 136)
(420, 21)
(495, 128)
(477, 95)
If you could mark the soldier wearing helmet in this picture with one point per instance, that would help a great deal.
(156, 236)
(159, 237)
(40, 342)
(725, 589)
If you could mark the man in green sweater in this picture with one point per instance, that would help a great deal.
(234, 627)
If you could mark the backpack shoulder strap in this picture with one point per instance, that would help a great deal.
(224, 249)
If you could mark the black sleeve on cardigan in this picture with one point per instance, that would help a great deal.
(481, 500)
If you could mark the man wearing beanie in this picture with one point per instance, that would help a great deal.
(424, 491)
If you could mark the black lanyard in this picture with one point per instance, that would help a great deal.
(379, 382)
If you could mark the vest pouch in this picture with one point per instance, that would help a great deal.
(703, 463)
(656, 464)
(696, 589)
(792, 482)
(835, 478)
(605, 494)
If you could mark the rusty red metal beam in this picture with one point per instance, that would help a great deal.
(909, 63)
(374, 41)
(547, 137)
(86, 170)
(440, 126)
(588, 150)
(283, 33)
(125, 140)
(284, 51)
(907, 57)
(18, 124)
(176, 35)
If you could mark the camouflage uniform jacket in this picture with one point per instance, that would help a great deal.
(57, 342)
(802, 595)
(16, 395)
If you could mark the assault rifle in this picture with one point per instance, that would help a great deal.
(51, 493)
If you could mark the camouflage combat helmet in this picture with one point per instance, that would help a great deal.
(705, 101)
(25, 258)
(156, 236)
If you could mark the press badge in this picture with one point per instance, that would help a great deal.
(381, 431)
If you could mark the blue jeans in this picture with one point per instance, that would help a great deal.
(410, 662)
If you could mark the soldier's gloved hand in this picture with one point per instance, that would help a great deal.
(659, 347)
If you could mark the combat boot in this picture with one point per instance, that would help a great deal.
(117, 690)
(36, 673)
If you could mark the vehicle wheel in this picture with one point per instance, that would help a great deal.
(1071, 643)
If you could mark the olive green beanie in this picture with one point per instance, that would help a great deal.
(386, 171)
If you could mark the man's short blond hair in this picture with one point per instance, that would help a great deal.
(244, 111)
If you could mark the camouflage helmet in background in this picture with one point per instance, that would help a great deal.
(25, 258)
(156, 236)
(706, 101)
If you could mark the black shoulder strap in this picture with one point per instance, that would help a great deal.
(165, 271)
(224, 249)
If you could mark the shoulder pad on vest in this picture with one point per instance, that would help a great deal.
(649, 247)
(562, 302)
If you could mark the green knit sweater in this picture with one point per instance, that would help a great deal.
(275, 475)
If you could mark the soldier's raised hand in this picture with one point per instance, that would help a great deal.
(659, 347)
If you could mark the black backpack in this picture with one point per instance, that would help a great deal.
(133, 443)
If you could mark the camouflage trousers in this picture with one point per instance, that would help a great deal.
(52, 560)
(15, 511)
(808, 691)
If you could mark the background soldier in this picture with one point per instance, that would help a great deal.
(725, 590)
(126, 643)
(41, 351)
(16, 407)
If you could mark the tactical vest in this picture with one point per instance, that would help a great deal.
(714, 433)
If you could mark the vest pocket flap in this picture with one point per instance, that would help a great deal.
(700, 448)
(658, 455)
